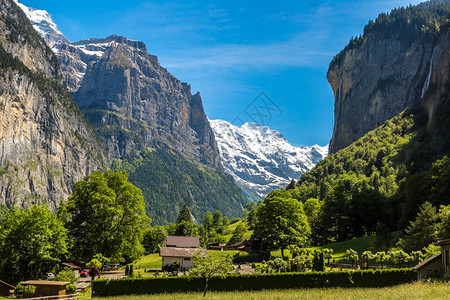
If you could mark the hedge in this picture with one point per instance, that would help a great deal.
(253, 282)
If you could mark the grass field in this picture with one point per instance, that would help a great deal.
(417, 290)
(151, 261)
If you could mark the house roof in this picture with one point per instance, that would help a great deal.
(44, 282)
(71, 266)
(182, 241)
(443, 242)
(7, 284)
(427, 261)
(180, 252)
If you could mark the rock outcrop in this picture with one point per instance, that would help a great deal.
(132, 103)
(378, 75)
(46, 145)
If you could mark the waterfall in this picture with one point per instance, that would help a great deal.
(427, 81)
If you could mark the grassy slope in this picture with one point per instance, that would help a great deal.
(151, 261)
(407, 291)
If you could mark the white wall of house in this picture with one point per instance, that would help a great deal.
(185, 263)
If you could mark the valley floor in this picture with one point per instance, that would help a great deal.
(412, 291)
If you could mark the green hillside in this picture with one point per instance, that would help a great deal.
(380, 181)
(168, 180)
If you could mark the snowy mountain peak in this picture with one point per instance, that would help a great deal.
(260, 159)
(44, 25)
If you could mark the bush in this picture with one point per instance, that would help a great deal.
(21, 291)
(71, 288)
(66, 275)
(253, 282)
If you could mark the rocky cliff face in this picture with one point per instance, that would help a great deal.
(261, 159)
(45, 143)
(378, 75)
(133, 103)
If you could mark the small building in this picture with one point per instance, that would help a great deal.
(245, 245)
(6, 289)
(181, 256)
(180, 250)
(445, 251)
(182, 242)
(48, 288)
(436, 266)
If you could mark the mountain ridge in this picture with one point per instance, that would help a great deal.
(261, 159)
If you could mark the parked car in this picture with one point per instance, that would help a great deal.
(84, 273)
(50, 276)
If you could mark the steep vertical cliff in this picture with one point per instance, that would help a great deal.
(133, 103)
(46, 145)
(386, 70)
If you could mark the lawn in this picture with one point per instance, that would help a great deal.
(151, 261)
(232, 227)
(417, 290)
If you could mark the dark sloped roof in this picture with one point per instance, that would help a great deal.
(44, 282)
(427, 261)
(7, 284)
(70, 265)
(180, 252)
(443, 242)
(182, 241)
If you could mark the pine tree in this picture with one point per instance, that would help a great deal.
(185, 215)
(422, 231)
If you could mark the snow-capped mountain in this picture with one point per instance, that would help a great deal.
(261, 159)
(44, 25)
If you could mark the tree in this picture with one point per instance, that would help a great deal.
(208, 223)
(185, 228)
(153, 238)
(291, 185)
(352, 255)
(398, 257)
(367, 255)
(281, 222)
(422, 231)
(381, 257)
(250, 213)
(444, 224)
(185, 215)
(327, 254)
(94, 268)
(105, 214)
(218, 222)
(207, 266)
(318, 262)
(32, 241)
(238, 234)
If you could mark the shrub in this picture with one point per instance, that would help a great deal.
(71, 288)
(253, 282)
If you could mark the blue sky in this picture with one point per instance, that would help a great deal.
(231, 51)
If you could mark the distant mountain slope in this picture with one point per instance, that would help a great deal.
(46, 145)
(261, 159)
(42, 22)
(168, 180)
(150, 125)
(386, 70)
(378, 182)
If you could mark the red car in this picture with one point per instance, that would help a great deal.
(84, 273)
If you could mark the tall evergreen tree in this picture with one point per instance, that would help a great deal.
(185, 214)
(422, 231)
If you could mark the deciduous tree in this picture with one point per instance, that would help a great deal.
(281, 222)
(32, 241)
(105, 215)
